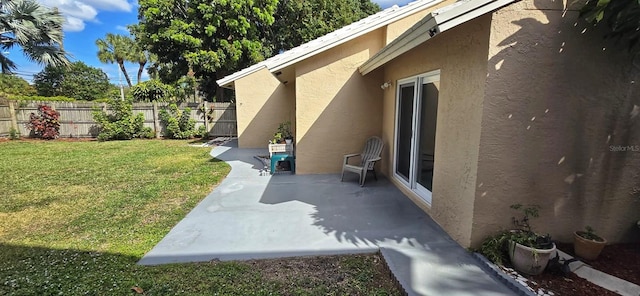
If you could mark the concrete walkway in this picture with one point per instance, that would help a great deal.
(251, 216)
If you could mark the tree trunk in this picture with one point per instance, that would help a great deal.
(124, 71)
(140, 69)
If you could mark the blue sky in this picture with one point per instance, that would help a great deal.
(89, 20)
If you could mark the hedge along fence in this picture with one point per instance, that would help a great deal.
(76, 119)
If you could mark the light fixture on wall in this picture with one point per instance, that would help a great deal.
(385, 85)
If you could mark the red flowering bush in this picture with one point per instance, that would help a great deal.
(46, 124)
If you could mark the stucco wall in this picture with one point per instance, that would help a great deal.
(397, 28)
(557, 102)
(336, 108)
(460, 54)
(262, 103)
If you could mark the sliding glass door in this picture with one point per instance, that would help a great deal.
(416, 117)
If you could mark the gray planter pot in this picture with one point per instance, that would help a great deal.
(529, 260)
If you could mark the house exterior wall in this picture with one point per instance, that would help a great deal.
(262, 103)
(461, 55)
(337, 109)
(558, 104)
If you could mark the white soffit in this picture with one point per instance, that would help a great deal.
(431, 25)
(331, 40)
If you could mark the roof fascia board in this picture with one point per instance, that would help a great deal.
(454, 17)
(433, 24)
(415, 36)
(223, 82)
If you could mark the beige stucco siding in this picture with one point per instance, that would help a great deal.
(460, 54)
(556, 102)
(262, 103)
(336, 108)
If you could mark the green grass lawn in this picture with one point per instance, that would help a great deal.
(75, 217)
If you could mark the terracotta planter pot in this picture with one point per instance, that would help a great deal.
(529, 260)
(586, 248)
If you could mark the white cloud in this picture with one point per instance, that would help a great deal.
(110, 5)
(73, 24)
(77, 12)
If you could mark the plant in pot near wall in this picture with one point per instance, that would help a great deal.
(285, 131)
(529, 251)
(587, 244)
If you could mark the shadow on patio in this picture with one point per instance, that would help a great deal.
(252, 216)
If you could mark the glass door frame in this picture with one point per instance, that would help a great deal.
(417, 82)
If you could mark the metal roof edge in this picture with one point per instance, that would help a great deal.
(431, 25)
(222, 82)
(272, 63)
(400, 13)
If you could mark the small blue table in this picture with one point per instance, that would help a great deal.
(275, 158)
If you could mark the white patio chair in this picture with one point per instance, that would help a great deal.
(370, 154)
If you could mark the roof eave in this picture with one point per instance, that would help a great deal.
(431, 25)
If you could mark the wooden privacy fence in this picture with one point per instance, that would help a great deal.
(76, 120)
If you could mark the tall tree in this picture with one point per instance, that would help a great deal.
(34, 28)
(77, 81)
(300, 21)
(115, 48)
(139, 54)
(14, 85)
(214, 38)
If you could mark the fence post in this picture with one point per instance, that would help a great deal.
(156, 122)
(12, 114)
(206, 116)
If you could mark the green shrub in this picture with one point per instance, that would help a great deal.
(14, 134)
(120, 123)
(202, 132)
(178, 124)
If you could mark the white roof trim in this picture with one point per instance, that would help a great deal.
(433, 24)
(332, 39)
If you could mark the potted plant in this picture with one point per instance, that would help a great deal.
(529, 251)
(587, 244)
(285, 131)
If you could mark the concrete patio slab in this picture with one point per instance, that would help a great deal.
(253, 216)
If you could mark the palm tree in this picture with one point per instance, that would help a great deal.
(34, 28)
(115, 48)
(141, 57)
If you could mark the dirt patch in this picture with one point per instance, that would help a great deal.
(620, 260)
(334, 272)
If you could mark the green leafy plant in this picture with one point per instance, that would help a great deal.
(45, 124)
(120, 123)
(202, 132)
(14, 134)
(495, 247)
(178, 124)
(523, 234)
(152, 90)
(282, 133)
(285, 130)
(590, 234)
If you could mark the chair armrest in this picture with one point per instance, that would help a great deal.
(347, 156)
(371, 161)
